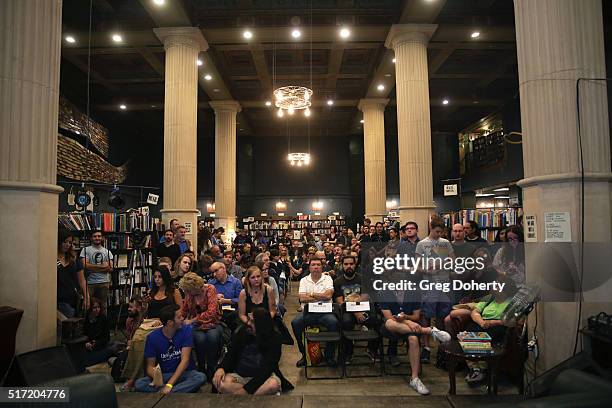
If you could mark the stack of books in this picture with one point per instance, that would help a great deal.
(475, 342)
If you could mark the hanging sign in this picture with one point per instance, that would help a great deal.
(450, 190)
(152, 199)
(188, 228)
(532, 228)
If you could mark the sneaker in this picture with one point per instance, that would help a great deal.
(394, 361)
(301, 362)
(418, 386)
(476, 376)
(425, 355)
(441, 336)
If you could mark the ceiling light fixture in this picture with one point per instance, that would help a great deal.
(293, 98)
(280, 113)
(345, 33)
(445, 102)
(268, 103)
(122, 107)
(247, 34)
(502, 189)
(200, 62)
(70, 39)
(296, 33)
(361, 121)
(117, 38)
(299, 159)
(330, 102)
(475, 34)
(380, 87)
(159, 2)
(307, 112)
(207, 77)
(484, 195)
(317, 205)
(501, 197)
(393, 60)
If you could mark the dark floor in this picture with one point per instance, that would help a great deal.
(391, 386)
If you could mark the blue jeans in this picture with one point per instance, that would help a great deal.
(327, 320)
(190, 381)
(208, 348)
(66, 309)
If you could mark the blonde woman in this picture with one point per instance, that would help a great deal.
(201, 310)
(181, 267)
(256, 293)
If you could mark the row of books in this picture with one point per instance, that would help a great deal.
(109, 222)
(113, 242)
(475, 342)
(122, 297)
(486, 218)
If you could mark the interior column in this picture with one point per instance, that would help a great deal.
(559, 41)
(225, 165)
(182, 45)
(374, 157)
(30, 43)
(409, 42)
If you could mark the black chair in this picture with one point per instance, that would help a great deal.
(325, 337)
(86, 391)
(360, 336)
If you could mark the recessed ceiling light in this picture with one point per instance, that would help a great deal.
(152, 106)
(445, 102)
(200, 62)
(330, 102)
(380, 87)
(361, 121)
(207, 77)
(502, 197)
(475, 34)
(268, 103)
(241, 129)
(77, 132)
(70, 39)
(345, 33)
(247, 34)
(159, 2)
(216, 90)
(117, 38)
(483, 195)
(502, 189)
(296, 33)
(122, 107)
(387, 75)
(393, 60)
(307, 112)
(280, 113)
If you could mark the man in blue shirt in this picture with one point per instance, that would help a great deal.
(228, 290)
(170, 347)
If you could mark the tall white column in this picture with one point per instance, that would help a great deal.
(374, 157)
(30, 42)
(409, 42)
(559, 41)
(182, 45)
(225, 164)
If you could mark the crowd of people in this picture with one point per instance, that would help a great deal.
(226, 301)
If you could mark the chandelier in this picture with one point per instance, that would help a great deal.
(299, 159)
(292, 98)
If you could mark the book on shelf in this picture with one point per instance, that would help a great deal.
(485, 217)
(109, 222)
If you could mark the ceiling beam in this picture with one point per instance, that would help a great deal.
(419, 11)
(153, 61)
(335, 62)
(76, 61)
(498, 72)
(440, 58)
(261, 66)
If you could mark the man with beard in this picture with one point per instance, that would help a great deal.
(97, 263)
(348, 288)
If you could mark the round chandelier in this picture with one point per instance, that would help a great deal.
(292, 98)
(299, 159)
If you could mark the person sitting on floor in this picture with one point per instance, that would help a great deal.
(170, 347)
(201, 310)
(315, 287)
(250, 365)
(97, 331)
(401, 319)
(486, 317)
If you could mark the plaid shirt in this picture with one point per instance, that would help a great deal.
(203, 308)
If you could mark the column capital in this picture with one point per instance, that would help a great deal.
(400, 33)
(225, 106)
(372, 103)
(171, 36)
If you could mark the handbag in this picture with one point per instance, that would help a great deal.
(313, 352)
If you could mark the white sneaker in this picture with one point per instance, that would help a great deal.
(441, 336)
(418, 386)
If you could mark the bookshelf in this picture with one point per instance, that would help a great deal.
(490, 220)
(277, 226)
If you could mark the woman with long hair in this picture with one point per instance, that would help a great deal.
(201, 310)
(70, 276)
(181, 267)
(510, 259)
(163, 293)
(250, 365)
(255, 294)
(98, 335)
(333, 235)
(204, 241)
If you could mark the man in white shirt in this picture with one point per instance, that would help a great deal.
(315, 287)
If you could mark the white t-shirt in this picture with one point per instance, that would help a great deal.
(324, 284)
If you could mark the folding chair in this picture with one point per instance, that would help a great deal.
(360, 336)
(326, 337)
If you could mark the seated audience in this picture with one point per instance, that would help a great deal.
(255, 294)
(232, 268)
(180, 240)
(70, 277)
(170, 348)
(162, 294)
(348, 288)
(228, 291)
(509, 260)
(181, 267)
(315, 287)
(97, 331)
(201, 311)
(401, 319)
(250, 365)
